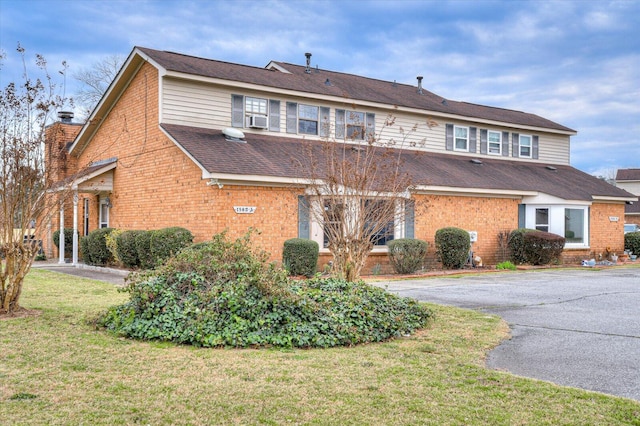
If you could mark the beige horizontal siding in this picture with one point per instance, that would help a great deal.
(209, 106)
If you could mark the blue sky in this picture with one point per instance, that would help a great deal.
(574, 62)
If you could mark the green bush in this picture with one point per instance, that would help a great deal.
(68, 241)
(126, 248)
(452, 246)
(543, 248)
(94, 248)
(407, 255)
(143, 249)
(111, 239)
(300, 256)
(506, 266)
(224, 293)
(517, 246)
(632, 242)
(167, 242)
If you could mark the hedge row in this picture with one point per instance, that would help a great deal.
(134, 248)
(535, 247)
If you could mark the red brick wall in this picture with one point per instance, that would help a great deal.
(156, 185)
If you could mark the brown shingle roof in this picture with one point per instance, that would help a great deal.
(628, 174)
(348, 86)
(267, 155)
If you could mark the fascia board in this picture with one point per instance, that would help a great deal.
(110, 98)
(609, 198)
(476, 192)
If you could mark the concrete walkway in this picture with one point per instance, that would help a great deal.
(110, 275)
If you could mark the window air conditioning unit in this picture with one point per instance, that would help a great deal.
(258, 121)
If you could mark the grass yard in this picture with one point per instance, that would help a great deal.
(55, 368)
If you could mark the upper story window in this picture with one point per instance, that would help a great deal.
(525, 146)
(255, 105)
(494, 140)
(354, 125)
(256, 113)
(307, 119)
(461, 138)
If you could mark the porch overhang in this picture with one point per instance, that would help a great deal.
(96, 178)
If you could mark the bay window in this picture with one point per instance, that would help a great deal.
(569, 221)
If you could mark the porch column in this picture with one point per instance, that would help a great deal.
(61, 239)
(75, 228)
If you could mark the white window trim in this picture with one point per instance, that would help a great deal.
(556, 221)
(316, 227)
(499, 153)
(455, 137)
(520, 146)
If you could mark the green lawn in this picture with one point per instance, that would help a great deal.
(56, 368)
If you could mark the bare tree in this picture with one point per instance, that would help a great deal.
(358, 190)
(95, 81)
(25, 109)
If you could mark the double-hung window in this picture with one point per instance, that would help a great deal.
(253, 112)
(255, 106)
(525, 146)
(307, 119)
(354, 125)
(494, 140)
(461, 138)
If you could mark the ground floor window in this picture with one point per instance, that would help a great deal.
(338, 217)
(571, 222)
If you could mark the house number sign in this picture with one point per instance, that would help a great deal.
(244, 209)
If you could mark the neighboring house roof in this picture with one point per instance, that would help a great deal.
(347, 86)
(267, 155)
(628, 174)
(633, 209)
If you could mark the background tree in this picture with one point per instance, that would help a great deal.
(25, 110)
(358, 190)
(94, 82)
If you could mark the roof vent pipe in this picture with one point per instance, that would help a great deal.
(65, 116)
(308, 69)
(419, 84)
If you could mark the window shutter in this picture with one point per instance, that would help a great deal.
(303, 217)
(409, 219)
(371, 125)
(515, 142)
(449, 137)
(505, 144)
(483, 141)
(534, 147)
(340, 114)
(237, 111)
(522, 223)
(292, 117)
(472, 139)
(324, 121)
(274, 115)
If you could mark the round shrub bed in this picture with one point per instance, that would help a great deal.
(224, 293)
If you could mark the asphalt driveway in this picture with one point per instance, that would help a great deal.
(577, 328)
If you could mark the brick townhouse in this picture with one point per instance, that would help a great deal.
(207, 145)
